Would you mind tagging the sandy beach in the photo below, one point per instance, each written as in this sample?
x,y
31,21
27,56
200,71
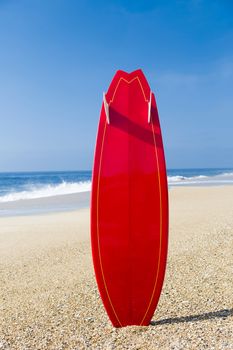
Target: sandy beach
x,y
49,298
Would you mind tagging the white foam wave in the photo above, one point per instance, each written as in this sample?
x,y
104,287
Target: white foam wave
x,y
63,188
225,178
226,175
176,178
48,191
179,178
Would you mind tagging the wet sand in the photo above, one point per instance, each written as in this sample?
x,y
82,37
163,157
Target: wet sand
x,y
62,203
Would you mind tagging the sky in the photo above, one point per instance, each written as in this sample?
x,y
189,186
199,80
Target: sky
x,y
58,56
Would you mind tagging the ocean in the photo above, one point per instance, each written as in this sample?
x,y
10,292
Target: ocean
x,y
18,186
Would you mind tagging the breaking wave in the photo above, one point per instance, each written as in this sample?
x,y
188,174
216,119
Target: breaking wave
x,y
178,180
14,192
33,192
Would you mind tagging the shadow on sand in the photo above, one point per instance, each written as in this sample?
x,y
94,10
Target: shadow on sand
x,y
195,318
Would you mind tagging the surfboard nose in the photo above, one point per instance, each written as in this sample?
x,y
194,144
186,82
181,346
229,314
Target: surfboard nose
x,y
128,79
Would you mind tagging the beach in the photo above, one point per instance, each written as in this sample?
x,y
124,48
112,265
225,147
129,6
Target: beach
x,y
49,298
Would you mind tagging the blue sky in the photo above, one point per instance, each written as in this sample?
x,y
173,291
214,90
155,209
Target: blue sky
x,y
58,56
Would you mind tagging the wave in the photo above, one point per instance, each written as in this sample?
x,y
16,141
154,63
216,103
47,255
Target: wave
x,y
226,174
47,191
224,178
179,178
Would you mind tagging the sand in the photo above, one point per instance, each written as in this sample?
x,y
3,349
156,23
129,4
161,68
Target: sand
x,y
49,298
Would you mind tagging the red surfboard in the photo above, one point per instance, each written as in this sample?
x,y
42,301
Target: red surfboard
x,y
129,202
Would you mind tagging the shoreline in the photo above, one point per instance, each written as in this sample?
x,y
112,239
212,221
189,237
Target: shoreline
x,y
52,204
68,202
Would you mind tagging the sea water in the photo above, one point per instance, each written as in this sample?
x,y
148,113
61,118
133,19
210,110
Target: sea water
x,y
18,186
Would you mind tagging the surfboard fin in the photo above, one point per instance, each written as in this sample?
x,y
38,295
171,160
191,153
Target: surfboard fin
x,y
106,108
149,108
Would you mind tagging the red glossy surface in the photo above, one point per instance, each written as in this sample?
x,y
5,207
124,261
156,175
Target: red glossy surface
x,y
129,204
